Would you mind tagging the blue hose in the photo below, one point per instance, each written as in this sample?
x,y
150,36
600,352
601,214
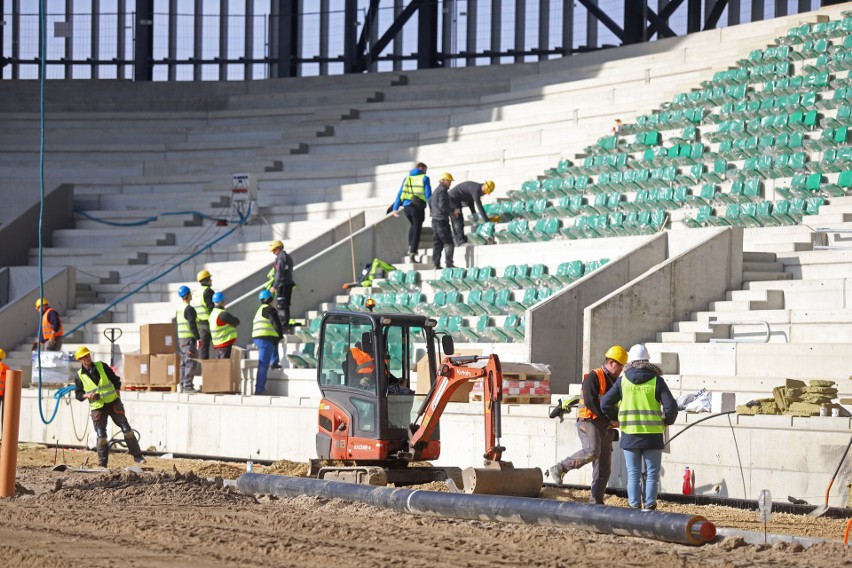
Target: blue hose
x,y
144,221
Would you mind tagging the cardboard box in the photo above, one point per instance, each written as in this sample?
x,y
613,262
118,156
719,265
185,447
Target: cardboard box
x,y
165,369
156,338
222,375
137,369
423,380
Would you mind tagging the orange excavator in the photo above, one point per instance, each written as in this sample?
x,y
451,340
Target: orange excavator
x,y
371,421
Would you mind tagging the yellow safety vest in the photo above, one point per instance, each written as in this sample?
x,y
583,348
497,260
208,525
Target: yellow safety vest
x,y
183,329
104,387
413,186
639,411
221,334
201,311
262,327
270,276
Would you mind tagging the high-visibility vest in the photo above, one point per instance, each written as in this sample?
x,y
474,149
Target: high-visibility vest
x,y
270,278
412,187
364,364
639,411
582,410
47,332
183,329
221,334
3,369
104,387
262,326
201,311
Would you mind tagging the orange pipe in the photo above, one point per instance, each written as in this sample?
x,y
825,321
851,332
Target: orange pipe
x,y
11,421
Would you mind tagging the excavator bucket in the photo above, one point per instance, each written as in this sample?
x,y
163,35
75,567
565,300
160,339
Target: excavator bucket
x,y
502,478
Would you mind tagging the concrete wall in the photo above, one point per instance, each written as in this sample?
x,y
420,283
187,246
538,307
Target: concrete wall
x,y
19,228
740,455
554,327
667,293
320,277
19,321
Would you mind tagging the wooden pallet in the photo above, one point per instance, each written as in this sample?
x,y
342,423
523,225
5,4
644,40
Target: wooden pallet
x,y
150,388
517,398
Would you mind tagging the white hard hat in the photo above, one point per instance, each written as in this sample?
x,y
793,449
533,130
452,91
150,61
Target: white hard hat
x,y
638,353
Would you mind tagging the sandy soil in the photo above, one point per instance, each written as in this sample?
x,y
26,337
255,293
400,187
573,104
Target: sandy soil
x,y
173,514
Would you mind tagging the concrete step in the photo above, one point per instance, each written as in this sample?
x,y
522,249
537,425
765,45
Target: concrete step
x,y
750,256
752,275
763,266
684,336
745,301
781,247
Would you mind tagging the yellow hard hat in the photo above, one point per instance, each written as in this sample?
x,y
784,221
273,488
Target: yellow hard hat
x,y
202,275
2,354
82,352
617,353
275,244
489,186
42,301
447,176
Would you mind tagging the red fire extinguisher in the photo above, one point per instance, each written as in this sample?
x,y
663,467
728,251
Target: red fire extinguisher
x,y
687,482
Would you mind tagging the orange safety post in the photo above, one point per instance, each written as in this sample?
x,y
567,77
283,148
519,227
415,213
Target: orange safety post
x,y
11,421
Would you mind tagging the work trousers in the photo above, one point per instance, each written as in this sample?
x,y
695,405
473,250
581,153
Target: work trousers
x,y
597,450
634,460
265,349
206,338
285,294
114,410
458,229
188,364
52,344
415,211
442,241
224,352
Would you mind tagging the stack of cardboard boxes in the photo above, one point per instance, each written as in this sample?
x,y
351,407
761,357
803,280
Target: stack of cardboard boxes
x,y
156,364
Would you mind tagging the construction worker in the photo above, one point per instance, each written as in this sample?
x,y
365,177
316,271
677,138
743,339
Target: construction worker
x,y
3,369
51,332
442,236
203,303
223,327
361,366
414,194
266,332
370,272
594,428
469,194
98,384
188,339
644,406
282,283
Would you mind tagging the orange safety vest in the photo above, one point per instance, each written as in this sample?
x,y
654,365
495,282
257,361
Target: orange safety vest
x,y
3,369
364,363
47,332
582,411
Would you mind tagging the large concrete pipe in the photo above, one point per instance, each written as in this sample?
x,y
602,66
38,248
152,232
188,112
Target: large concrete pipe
x,y
667,527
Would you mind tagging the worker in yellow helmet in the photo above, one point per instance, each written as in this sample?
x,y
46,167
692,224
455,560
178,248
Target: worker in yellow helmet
x,y
98,384
51,332
282,287
468,194
202,301
594,428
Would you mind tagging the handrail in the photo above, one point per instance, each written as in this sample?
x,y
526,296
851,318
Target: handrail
x,y
765,323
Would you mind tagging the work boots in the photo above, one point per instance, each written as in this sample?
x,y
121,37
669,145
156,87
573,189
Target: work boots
x,y
556,473
133,447
103,452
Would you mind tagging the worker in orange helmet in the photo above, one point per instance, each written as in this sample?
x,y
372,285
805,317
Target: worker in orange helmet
x,y
51,332
594,428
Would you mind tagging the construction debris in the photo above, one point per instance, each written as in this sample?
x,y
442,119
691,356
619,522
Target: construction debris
x,y
796,399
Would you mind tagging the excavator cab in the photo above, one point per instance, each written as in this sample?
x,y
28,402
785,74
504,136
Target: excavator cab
x,y
365,366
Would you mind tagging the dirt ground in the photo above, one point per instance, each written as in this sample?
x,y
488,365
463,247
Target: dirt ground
x,y
174,513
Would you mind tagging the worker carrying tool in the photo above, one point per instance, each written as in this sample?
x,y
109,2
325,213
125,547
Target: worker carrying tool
x,y
51,332
98,384
595,430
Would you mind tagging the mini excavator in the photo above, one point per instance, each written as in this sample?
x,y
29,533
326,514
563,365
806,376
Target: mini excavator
x,y
370,420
